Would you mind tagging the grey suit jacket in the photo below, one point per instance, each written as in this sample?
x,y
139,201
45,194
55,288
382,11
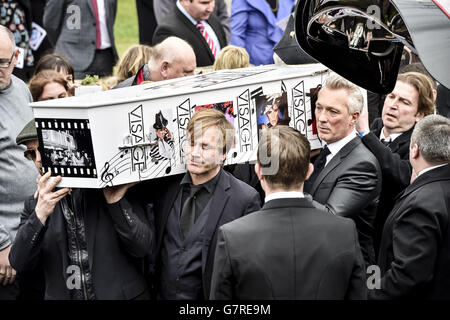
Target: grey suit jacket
x,y
70,25
349,186
288,250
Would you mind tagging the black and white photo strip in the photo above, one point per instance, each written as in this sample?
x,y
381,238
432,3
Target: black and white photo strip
x,y
66,147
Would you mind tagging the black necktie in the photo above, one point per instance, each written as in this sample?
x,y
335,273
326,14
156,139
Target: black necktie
x,y
386,142
187,218
319,164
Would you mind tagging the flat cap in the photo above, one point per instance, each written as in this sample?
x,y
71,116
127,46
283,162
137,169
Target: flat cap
x,y
28,133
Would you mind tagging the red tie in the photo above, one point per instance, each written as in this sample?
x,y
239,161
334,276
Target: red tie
x,y
98,40
208,39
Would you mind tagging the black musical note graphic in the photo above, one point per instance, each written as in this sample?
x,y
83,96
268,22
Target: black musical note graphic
x,y
106,176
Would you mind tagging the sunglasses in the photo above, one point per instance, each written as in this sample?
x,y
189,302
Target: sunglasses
x,y
30,154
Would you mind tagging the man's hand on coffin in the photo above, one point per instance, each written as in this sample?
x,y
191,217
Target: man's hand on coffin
x,y
47,197
116,193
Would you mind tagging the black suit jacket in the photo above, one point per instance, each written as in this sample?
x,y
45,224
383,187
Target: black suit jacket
x,y
288,250
118,237
395,168
415,249
176,24
349,186
232,199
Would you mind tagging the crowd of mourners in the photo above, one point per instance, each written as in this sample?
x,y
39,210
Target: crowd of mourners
x,y
364,217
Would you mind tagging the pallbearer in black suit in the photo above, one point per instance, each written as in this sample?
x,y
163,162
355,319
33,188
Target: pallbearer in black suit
x,y
388,139
189,208
292,248
347,178
414,256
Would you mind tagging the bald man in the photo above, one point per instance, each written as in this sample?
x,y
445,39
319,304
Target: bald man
x,y
172,58
17,175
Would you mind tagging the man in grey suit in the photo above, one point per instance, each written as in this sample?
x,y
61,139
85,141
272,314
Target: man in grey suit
x,y
83,31
347,177
290,249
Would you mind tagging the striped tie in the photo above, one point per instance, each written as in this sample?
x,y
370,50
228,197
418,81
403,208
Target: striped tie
x,y
208,39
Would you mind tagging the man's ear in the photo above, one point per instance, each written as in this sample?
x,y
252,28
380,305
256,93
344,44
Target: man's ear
x,y
164,69
310,171
414,151
419,116
258,171
355,117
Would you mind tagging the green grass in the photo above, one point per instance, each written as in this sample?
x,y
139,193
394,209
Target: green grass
x,y
126,29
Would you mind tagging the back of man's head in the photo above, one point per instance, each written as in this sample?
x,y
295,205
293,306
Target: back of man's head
x,y
432,137
283,155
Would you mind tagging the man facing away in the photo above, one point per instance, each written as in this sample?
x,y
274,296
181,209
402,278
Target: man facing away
x,y
291,248
414,257
347,176
189,208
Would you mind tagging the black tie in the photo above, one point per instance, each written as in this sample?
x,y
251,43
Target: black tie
x,y
386,142
187,218
319,164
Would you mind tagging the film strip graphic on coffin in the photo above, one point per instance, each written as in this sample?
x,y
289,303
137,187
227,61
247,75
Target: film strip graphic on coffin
x,y
66,147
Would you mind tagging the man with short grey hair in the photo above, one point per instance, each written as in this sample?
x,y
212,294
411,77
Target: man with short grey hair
x,y
415,245
17,175
172,58
347,177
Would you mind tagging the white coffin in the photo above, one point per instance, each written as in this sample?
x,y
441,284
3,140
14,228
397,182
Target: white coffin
x,y
113,131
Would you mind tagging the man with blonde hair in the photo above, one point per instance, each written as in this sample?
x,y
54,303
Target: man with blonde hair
x,y
289,256
347,176
189,208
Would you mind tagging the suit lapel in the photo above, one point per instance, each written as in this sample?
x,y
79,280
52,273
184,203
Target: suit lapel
x,y
216,208
401,140
335,161
173,190
195,31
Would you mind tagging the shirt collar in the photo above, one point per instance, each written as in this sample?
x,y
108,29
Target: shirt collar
x,y
284,195
336,146
210,185
391,137
431,168
183,10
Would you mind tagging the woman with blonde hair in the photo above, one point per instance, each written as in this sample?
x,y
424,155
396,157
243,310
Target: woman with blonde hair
x,y
132,60
232,57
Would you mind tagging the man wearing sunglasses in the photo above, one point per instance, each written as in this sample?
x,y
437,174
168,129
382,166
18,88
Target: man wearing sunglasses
x,y
17,175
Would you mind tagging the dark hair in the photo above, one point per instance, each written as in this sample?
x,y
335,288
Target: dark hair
x,y
54,62
283,154
40,80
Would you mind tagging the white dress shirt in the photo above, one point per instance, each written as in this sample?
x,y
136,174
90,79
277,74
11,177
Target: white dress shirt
x,y
391,137
284,195
431,168
335,147
106,41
